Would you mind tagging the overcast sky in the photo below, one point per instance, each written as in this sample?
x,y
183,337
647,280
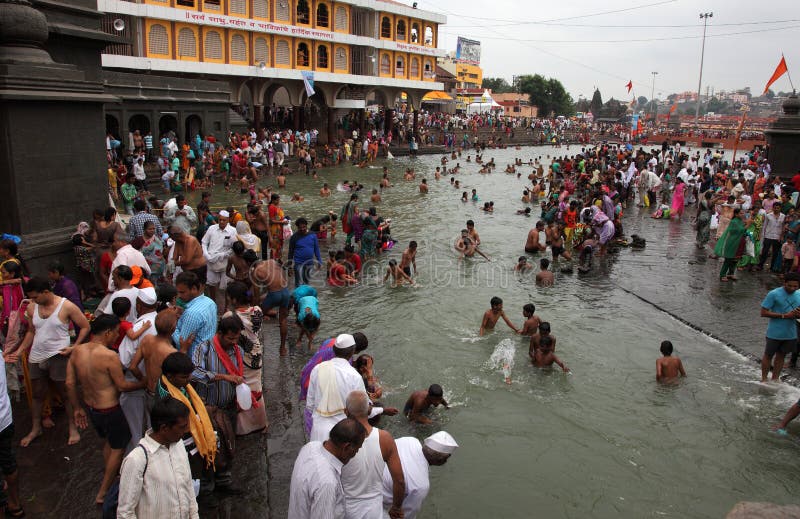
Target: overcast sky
x,y
576,51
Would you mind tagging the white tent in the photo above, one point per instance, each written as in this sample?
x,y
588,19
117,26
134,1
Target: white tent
x,y
485,104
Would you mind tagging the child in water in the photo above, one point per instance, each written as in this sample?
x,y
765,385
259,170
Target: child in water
x,y
544,357
398,276
668,368
491,316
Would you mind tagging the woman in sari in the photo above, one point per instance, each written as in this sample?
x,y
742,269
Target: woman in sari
x,y
753,237
153,251
246,236
704,209
730,246
276,223
678,199
85,260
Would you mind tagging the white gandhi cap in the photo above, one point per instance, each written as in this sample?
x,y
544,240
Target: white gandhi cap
x,y
344,341
224,213
147,296
441,442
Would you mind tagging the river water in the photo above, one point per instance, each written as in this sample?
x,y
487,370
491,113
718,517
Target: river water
x,y
602,441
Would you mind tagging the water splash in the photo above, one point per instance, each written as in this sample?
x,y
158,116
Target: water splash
x,y
502,358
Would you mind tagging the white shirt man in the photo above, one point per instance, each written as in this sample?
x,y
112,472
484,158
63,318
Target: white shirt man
x,y
127,255
773,226
178,212
416,460
329,384
217,246
138,170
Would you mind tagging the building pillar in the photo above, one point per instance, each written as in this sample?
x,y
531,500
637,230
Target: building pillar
x,y
389,121
361,113
296,116
331,126
783,137
414,131
257,111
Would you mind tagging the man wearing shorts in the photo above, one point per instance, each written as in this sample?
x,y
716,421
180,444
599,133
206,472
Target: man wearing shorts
x,y
98,370
49,343
270,274
782,307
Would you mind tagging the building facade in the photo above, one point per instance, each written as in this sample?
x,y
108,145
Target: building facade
x,y
516,105
210,55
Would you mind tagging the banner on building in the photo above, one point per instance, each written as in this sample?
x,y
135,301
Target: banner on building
x,y
308,81
468,51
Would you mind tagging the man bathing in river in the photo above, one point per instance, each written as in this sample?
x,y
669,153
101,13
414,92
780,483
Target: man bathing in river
x,y
491,316
467,247
668,368
422,400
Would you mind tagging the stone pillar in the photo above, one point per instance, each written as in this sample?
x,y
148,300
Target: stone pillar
x,y
47,192
331,126
361,123
416,122
783,138
389,121
296,117
258,110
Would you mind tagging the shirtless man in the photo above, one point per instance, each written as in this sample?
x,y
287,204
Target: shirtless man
x,y
409,259
98,370
438,174
533,243
259,224
270,274
544,277
473,233
325,192
466,247
375,198
555,237
154,349
491,316
385,181
668,368
398,276
48,340
522,265
544,357
297,198
422,400
532,322
536,338
423,187
281,179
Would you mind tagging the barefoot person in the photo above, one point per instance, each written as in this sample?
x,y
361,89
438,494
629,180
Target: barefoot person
x,y
270,274
491,316
668,368
48,339
98,370
421,401
782,307
153,350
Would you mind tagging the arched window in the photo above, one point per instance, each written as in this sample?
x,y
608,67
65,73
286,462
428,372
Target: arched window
x,y
157,40
414,33
238,7
428,70
303,12
340,60
323,16
341,19
400,66
238,48
428,35
322,56
282,54
386,65
261,8
261,51
386,27
400,33
282,11
187,44
302,55
213,45
414,68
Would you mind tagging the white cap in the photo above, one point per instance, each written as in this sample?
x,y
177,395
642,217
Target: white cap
x,y
344,341
148,296
224,214
441,442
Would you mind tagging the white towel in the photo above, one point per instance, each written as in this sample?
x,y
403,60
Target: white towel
x,y
331,402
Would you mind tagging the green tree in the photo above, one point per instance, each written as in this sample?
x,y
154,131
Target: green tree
x,y
597,102
641,102
549,95
497,85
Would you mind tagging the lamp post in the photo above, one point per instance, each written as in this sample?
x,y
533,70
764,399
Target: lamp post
x,y
704,17
653,100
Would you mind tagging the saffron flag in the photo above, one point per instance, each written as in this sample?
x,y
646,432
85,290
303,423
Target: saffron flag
x,y
308,81
673,107
779,71
629,86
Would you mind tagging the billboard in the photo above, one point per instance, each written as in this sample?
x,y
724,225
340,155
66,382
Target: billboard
x,y
468,51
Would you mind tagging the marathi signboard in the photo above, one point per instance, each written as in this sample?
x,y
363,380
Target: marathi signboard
x,y
468,51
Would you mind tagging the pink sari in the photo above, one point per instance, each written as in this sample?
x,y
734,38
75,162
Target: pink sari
x,y
678,200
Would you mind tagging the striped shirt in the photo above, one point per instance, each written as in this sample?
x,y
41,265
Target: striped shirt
x,y
207,364
136,224
199,317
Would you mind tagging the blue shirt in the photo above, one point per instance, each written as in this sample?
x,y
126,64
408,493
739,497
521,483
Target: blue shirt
x,y
304,249
200,318
780,301
304,291
305,305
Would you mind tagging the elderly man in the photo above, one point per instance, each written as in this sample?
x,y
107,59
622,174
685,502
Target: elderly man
x,y
199,318
133,402
186,254
181,214
415,459
217,246
316,488
329,384
125,254
362,478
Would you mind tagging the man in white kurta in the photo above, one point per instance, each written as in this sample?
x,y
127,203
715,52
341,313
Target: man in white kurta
x,y
316,488
329,384
416,459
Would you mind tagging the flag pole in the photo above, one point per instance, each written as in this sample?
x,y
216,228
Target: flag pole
x,y
789,75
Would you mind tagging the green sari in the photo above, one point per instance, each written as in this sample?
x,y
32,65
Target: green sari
x,y
728,244
753,233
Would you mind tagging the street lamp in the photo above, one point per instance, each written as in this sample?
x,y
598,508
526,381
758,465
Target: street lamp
x,y
653,100
704,17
